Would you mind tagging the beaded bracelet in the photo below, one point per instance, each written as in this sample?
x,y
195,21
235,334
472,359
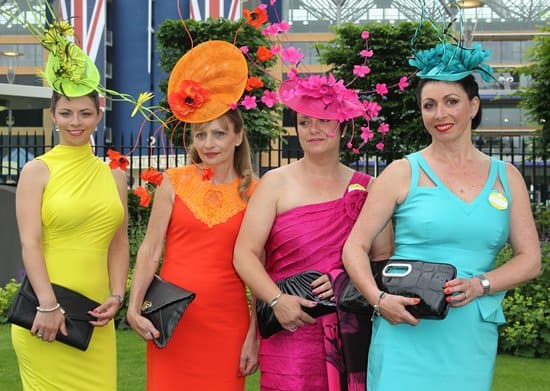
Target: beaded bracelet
x,y
54,308
376,307
275,300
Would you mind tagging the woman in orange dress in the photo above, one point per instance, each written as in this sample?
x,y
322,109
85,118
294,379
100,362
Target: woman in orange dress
x,y
195,219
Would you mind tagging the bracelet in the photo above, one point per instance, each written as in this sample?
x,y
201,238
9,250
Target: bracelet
x,y
54,308
376,307
275,300
120,298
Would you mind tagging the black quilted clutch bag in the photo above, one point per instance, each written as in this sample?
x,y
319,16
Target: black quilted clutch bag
x,y
412,278
297,285
164,305
75,305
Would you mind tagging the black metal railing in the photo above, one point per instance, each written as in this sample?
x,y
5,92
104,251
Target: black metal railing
x,y
16,150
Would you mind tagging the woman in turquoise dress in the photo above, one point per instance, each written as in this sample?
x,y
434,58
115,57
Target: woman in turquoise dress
x,y
450,203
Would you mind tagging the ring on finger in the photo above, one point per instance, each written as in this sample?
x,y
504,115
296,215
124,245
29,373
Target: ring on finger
x,y
466,295
292,328
39,335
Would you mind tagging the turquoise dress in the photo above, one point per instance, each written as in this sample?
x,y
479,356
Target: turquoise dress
x,y
433,224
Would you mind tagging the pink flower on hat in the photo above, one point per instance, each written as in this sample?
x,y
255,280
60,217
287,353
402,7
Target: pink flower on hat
x,y
366,133
384,128
372,109
361,70
403,83
249,102
269,98
381,89
292,55
366,53
365,35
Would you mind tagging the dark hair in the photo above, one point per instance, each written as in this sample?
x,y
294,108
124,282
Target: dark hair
x,y
242,161
468,84
94,96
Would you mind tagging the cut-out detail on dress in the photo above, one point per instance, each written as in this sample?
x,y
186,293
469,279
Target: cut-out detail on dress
x,y
210,203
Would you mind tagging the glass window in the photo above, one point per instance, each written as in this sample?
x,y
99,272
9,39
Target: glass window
x,y
33,54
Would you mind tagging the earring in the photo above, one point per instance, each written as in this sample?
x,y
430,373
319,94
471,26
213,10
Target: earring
x,y
236,145
56,129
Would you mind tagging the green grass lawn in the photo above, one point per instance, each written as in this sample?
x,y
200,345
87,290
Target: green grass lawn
x,y
511,374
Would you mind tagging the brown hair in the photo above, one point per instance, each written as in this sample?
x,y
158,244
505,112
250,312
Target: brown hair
x,y
242,161
94,96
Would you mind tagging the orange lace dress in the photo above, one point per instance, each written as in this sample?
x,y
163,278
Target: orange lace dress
x,y
204,351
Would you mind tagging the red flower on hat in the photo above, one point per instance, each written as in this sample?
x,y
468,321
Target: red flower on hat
x,y
152,176
264,54
117,160
188,98
144,196
253,82
256,17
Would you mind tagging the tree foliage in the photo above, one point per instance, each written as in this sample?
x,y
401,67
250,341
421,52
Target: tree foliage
x,y
535,97
391,46
262,124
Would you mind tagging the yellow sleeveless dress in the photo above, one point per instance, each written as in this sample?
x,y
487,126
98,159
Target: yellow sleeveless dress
x,y
81,210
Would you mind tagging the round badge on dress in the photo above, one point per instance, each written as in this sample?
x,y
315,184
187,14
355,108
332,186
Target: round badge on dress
x,y
498,200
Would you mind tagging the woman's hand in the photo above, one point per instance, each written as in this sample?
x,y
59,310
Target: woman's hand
x,y
289,313
462,291
47,324
392,308
249,354
105,312
322,288
142,326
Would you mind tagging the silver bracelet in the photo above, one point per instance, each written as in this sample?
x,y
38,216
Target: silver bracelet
x,y
275,300
54,308
376,307
120,299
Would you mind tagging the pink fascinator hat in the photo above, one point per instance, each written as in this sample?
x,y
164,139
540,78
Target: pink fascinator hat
x,y
322,97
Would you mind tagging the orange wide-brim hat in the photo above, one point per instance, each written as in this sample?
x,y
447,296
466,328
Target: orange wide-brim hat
x,y
207,81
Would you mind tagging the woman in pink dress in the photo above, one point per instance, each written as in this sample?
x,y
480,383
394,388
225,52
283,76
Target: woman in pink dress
x,y
298,219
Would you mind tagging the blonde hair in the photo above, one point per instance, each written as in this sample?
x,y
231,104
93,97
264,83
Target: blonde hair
x,y
242,161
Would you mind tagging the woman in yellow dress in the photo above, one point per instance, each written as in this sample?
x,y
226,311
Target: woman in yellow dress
x,y
72,219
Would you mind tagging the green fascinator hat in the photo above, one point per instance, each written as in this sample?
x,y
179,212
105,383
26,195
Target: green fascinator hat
x,y
69,71
452,62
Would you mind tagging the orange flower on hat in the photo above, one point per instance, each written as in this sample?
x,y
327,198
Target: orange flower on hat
x,y
152,176
264,54
188,98
256,17
117,160
144,196
253,82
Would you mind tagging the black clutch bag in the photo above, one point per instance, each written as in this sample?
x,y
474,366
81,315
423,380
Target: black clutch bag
x,y
351,300
412,278
76,306
297,285
164,305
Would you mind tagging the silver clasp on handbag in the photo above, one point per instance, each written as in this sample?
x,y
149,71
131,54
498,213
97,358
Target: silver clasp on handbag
x,y
397,270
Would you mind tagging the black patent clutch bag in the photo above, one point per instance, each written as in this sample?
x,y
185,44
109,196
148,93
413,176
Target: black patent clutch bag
x,y
297,285
164,304
76,306
351,300
412,278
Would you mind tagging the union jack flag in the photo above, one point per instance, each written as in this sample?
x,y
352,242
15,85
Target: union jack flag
x,y
88,19
203,9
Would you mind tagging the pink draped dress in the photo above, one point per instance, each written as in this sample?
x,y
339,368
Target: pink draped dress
x,y
311,237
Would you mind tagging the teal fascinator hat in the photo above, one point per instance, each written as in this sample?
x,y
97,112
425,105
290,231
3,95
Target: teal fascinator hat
x,y
452,62
449,61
